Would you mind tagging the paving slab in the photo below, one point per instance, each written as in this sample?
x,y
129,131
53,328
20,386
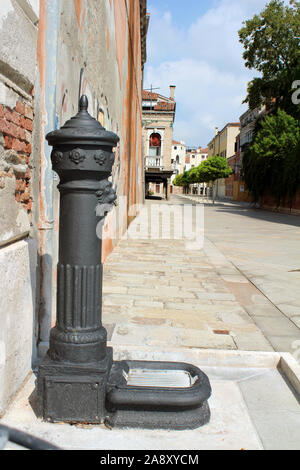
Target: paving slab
x,y
277,326
275,413
253,247
188,291
296,320
253,342
286,343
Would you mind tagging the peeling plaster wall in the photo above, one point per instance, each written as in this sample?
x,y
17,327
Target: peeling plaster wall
x,y
99,54
19,174
96,51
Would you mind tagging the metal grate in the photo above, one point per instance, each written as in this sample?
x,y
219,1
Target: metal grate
x,y
159,378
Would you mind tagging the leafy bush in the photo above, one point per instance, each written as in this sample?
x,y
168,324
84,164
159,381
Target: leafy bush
x,y
273,158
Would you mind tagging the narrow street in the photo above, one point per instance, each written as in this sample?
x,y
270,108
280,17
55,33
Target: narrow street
x,y
232,294
263,246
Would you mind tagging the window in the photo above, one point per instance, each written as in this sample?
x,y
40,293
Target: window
x,y
149,105
155,145
249,136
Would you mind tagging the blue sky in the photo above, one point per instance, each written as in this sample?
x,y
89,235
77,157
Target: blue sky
x,y
183,12
194,45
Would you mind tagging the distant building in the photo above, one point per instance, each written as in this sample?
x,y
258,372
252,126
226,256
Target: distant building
x,y
158,120
190,159
236,187
223,144
248,121
178,156
177,163
194,157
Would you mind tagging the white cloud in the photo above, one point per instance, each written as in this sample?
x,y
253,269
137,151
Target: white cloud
x,y
206,65
205,97
162,37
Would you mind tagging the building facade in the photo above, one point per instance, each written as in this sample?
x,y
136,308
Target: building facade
x,y
158,120
248,121
194,157
235,186
178,162
178,155
51,52
223,145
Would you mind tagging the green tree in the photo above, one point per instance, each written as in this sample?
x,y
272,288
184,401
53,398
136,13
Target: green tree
x,y
273,158
182,179
271,46
209,170
193,175
212,169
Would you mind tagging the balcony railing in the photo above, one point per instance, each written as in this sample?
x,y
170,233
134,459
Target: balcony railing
x,y
154,162
175,166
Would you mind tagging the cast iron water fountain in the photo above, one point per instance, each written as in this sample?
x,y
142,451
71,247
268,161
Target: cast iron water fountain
x,y
78,381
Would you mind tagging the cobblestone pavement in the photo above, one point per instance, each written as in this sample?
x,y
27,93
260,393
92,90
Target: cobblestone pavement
x,y
160,292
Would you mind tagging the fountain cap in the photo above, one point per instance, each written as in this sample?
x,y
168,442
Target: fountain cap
x,y
82,129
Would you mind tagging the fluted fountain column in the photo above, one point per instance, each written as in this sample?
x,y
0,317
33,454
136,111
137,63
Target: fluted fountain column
x,y
72,377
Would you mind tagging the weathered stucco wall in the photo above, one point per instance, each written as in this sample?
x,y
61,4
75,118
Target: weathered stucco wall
x,y
51,51
97,51
19,170
99,54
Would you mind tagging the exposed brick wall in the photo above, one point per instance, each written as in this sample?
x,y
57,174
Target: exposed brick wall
x,y
16,126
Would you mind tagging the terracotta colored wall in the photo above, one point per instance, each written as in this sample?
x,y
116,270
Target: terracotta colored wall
x,y
98,53
229,186
269,202
101,41
238,195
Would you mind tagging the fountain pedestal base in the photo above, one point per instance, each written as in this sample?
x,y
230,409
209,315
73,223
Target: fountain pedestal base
x,y
73,393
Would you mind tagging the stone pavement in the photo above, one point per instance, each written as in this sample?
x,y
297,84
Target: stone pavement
x,y
264,247
161,292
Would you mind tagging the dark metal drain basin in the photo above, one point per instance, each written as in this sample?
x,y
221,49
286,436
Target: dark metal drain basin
x,y
166,395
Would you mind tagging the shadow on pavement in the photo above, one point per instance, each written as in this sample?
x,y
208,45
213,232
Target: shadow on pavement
x,y
257,213
248,209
